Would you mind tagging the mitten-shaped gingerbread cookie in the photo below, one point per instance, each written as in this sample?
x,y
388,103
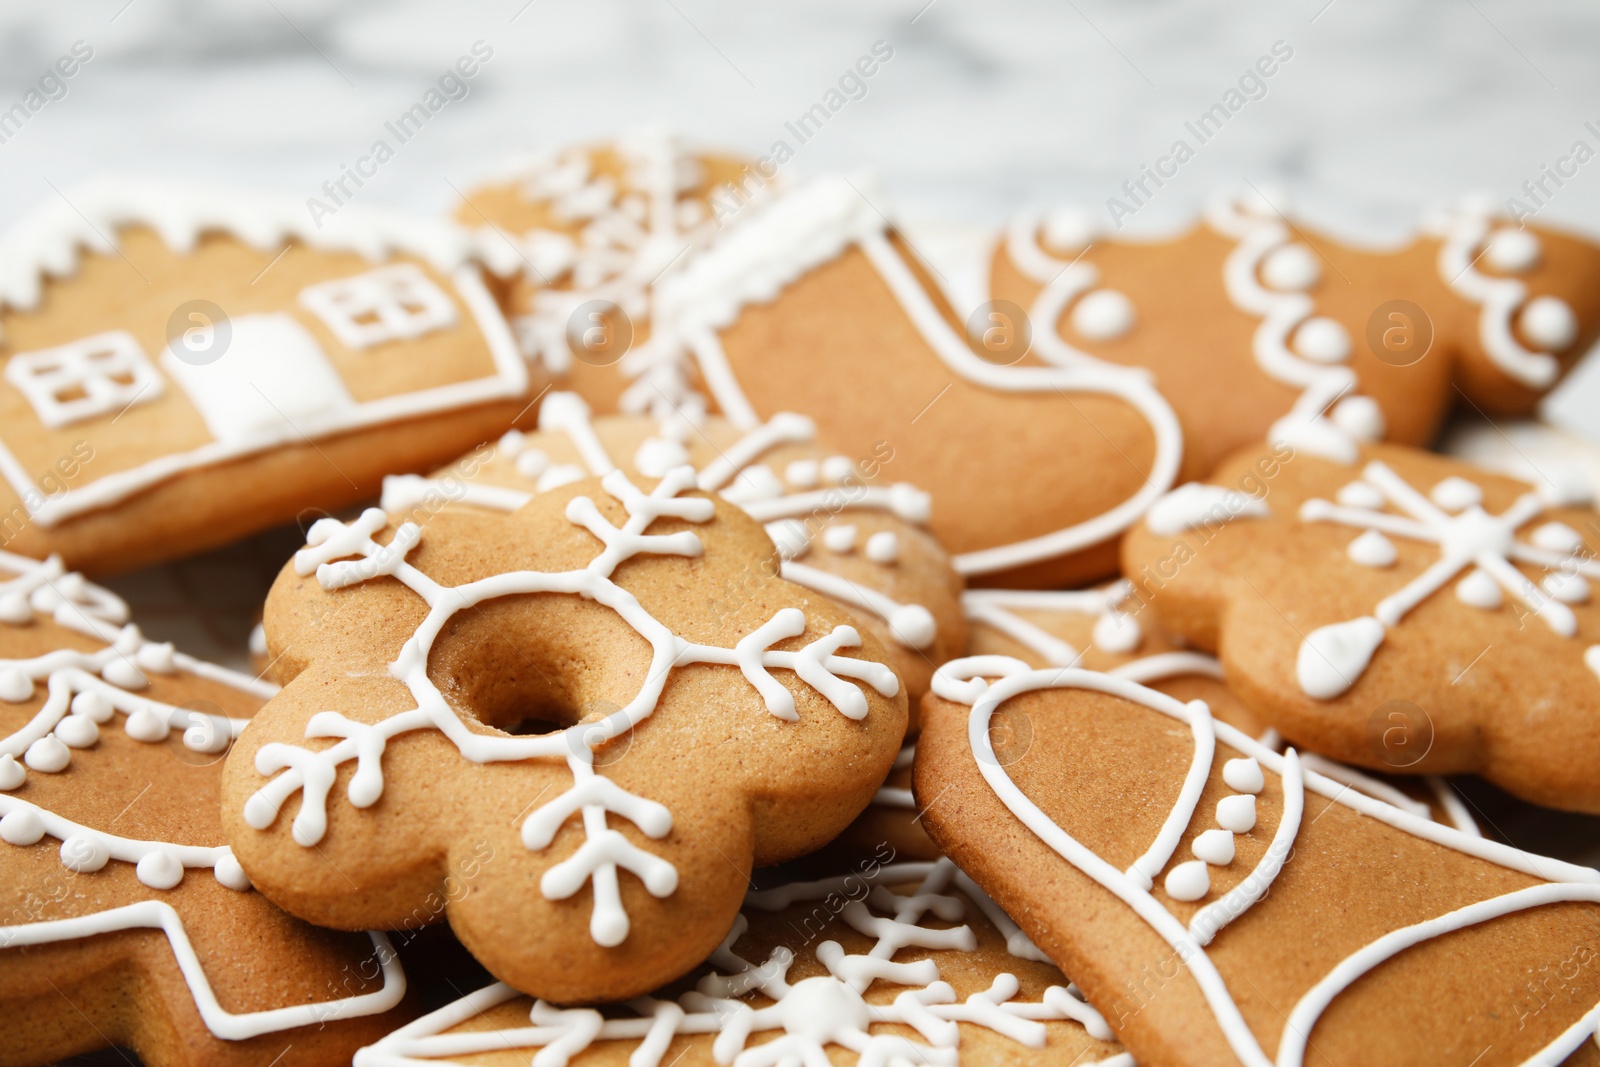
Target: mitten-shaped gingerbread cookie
x,y
1222,904
842,528
1405,612
124,919
1257,326
590,690
181,366
597,227
890,963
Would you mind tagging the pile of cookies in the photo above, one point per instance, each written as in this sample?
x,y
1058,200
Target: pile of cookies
x,y
749,658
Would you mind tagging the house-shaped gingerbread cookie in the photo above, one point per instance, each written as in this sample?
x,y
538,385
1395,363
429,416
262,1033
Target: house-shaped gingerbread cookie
x,y
182,366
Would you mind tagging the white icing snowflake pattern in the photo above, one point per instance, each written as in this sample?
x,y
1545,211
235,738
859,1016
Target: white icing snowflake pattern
x,y
1470,540
593,797
806,1017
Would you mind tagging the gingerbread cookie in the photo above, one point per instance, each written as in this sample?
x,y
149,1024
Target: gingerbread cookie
x,y
842,529
124,919
894,963
597,227
1246,910
1406,612
1259,327
575,685
183,366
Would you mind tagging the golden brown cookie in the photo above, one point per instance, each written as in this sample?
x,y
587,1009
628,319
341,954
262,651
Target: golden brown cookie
x,y
1409,612
891,963
573,686
182,366
842,527
124,919
597,227
1257,326
1222,904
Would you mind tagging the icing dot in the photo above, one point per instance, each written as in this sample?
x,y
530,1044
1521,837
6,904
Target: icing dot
x,y
1291,266
48,754
123,672
1456,494
84,854
159,870
14,609
15,687
791,537
1214,846
1565,486
1244,775
754,483
1189,880
1567,587
1323,340
157,659
258,640
92,705
21,827
1512,251
802,473
1069,229
532,463
913,624
1549,323
78,731
656,457
1117,633
1361,495
837,468
1333,656
1372,549
840,538
1557,537
145,725
46,599
1237,813
1480,590
1360,417
1591,659
883,547
230,874
11,773
910,503
1103,315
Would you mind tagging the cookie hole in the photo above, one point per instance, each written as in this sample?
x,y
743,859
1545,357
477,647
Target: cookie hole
x,y
534,725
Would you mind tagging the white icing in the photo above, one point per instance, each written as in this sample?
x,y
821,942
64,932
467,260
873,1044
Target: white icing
x,y
911,624
1566,587
1359,494
1557,537
840,538
311,772
1322,340
818,222
1103,315
1215,847
963,680
1470,540
803,1020
1113,631
1197,504
1190,880
394,303
1117,633
1244,775
1480,590
1464,230
1591,659
1237,813
1372,549
158,915
802,473
1512,251
883,547
84,379
1291,266
1550,323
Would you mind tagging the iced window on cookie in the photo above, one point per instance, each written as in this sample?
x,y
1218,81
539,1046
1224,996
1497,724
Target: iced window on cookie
x,y
389,304
84,379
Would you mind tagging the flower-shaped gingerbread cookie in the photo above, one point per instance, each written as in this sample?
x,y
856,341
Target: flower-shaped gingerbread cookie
x,y
894,963
1223,904
843,530
1405,612
124,919
1259,327
574,685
